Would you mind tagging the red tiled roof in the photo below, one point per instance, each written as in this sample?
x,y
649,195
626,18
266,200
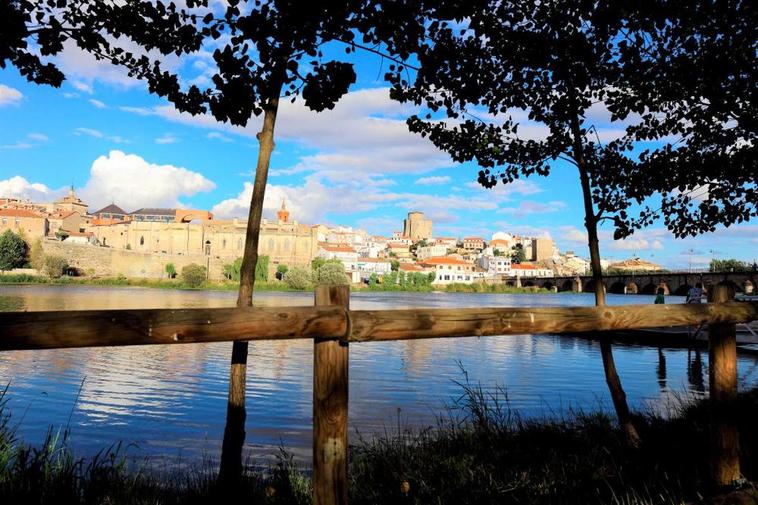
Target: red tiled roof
x,y
444,260
410,267
336,248
19,213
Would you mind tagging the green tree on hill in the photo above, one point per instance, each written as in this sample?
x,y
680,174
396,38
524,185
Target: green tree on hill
x,y
12,251
728,265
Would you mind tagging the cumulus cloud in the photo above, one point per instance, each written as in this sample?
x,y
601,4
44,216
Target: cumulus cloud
x,y
365,132
433,180
9,96
19,187
133,182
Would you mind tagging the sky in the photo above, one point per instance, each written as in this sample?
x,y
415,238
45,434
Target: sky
x,y
357,165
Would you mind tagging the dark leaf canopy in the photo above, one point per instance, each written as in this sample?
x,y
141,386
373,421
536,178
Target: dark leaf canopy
x,y
681,73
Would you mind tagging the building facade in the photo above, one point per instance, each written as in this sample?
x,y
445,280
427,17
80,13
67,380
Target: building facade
x,y
417,227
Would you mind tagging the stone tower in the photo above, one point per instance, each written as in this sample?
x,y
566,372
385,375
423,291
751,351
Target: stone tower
x,y
283,215
417,227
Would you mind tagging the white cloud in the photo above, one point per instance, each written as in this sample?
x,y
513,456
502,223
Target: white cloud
x,y
167,138
433,180
9,96
89,131
19,187
526,207
133,182
219,136
365,132
97,103
39,137
17,145
141,111
82,86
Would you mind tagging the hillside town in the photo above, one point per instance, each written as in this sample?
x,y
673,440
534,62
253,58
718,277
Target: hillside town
x,y
112,241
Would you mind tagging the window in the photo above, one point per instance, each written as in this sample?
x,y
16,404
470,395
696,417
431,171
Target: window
x,y
207,247
18,221
142,241
223,244
5,220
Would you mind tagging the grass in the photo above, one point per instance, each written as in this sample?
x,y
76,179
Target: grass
x,y
479,452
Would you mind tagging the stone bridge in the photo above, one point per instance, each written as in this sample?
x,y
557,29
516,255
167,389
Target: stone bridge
x,y
674,283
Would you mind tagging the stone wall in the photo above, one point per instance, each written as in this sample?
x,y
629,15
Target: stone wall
x,y
107,262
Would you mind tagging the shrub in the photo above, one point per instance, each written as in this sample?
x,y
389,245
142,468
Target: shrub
x,y
54,266
232,270
170,270
193,275
331,273
37,255
298,278
280,271
12,251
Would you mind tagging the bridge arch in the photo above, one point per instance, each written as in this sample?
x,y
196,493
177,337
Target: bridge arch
x,y
617,288
632,288
548,285
682,290
649,289
567,285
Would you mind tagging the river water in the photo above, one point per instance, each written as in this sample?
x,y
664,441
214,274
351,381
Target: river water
x,y
169,402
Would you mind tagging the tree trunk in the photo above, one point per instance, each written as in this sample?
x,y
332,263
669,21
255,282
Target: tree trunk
x,y
234,431
606,351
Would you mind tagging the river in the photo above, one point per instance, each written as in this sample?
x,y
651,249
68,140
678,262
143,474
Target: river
x,y
168,402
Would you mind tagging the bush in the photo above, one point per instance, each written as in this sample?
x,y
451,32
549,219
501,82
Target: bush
x,y
232,270
298,278
280,271
170,270
37,256
193,275
331,273
54,266
12,251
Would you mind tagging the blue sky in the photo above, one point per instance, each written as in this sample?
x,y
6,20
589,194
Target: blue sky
x,y
356,165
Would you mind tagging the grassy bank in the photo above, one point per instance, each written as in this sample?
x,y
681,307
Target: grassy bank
x,y
479,453
259,285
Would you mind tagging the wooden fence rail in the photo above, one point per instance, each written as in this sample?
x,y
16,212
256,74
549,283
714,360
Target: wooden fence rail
x,y
332,326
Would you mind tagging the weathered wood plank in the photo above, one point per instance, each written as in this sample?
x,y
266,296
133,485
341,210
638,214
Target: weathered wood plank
x,y
722,381
53,330
330,396
377,325
87,328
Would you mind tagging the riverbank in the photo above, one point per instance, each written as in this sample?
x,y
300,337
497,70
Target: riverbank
x,y
22,279
479,452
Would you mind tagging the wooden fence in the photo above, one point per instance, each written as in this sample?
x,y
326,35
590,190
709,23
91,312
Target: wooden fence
x,y
333,326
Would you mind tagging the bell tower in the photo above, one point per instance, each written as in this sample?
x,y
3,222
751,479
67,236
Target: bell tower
x,y
283,215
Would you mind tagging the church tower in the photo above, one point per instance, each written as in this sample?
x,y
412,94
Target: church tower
x,y
283,215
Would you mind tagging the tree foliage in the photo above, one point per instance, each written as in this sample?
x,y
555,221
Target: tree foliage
x,y
730,265
193,275
299,278
12,251
331,273
54,266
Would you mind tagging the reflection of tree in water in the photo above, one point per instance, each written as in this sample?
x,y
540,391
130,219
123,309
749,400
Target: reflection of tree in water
x,y
661,370
695,370
11,303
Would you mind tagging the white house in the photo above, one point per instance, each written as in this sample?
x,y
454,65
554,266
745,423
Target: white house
x,y
368,266
530,270
346,254
449,269
496,265
430,251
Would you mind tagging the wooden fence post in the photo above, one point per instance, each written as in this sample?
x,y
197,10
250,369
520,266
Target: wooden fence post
x,y
330,390
722,378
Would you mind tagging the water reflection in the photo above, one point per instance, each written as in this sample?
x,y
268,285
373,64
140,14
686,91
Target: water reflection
x,y
171,400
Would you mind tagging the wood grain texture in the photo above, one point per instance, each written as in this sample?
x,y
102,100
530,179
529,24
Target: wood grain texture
x,y
330,397
62,329
722,380
376,325
56,330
